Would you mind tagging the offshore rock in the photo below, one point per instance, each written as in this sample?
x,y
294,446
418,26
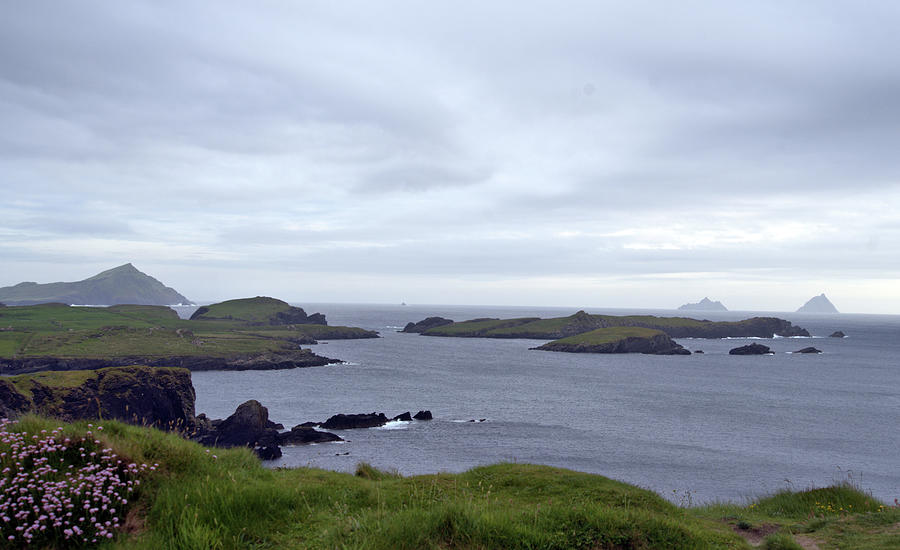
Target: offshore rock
x,y
304,435
751,349
248,427
808,350
837,334
423,415
352,421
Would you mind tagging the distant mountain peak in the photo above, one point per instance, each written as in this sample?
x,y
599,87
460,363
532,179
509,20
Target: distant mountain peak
x,y
124,284
818,304
704,305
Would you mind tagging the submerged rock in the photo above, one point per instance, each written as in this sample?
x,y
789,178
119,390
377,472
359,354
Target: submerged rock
x,y
304,435
808,350
751,349
837,334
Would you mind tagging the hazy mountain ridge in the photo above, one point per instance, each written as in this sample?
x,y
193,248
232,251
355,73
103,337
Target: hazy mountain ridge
x,y
704,305
121,285
818,304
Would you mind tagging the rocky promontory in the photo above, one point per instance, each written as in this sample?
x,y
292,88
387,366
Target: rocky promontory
x,y
426,324
160,397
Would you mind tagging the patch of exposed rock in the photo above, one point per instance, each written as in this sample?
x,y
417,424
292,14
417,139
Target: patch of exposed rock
x,y
425,324
751,349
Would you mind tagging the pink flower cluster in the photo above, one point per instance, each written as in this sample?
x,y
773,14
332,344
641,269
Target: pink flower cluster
x,y
55,489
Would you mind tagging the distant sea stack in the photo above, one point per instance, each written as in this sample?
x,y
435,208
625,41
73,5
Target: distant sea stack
x,y
818,304
120,285
704,305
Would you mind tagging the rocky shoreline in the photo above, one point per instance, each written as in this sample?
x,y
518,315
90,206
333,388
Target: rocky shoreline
x,y
264,361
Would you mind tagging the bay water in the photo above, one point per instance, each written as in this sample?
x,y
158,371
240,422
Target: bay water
x,y
695,429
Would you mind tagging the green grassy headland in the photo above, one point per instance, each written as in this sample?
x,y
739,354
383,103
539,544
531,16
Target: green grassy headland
x,y
195,501
58,330
608,335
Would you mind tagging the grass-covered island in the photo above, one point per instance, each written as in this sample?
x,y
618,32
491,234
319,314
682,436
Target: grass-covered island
x,y
151,489
251,333
589,333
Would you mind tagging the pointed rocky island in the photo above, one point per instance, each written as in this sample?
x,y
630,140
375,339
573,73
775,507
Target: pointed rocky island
x,y
704,305
818,304
120,285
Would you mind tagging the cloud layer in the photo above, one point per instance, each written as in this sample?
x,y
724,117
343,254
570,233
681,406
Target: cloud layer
x,y
597,154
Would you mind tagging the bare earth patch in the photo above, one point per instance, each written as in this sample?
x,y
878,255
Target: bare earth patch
x,y
756,534
806,542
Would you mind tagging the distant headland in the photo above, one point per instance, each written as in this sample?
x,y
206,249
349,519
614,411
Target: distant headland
x,y
119,285
704,305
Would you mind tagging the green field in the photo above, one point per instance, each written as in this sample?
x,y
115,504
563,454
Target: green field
x,y
58,330
195,501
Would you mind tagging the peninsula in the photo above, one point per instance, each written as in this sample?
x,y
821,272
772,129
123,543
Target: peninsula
x,y
120,285
249,334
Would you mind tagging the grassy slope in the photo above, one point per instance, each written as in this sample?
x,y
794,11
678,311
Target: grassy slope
x,y
196,501
608,335
152,331
253,310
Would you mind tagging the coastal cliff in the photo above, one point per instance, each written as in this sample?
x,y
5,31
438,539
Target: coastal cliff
x,y
147,396
618,340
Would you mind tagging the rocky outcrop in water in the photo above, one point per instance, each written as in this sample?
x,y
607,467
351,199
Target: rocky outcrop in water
x,y
808,350
751,349
425,324
837,334
423,415
658,344
351,421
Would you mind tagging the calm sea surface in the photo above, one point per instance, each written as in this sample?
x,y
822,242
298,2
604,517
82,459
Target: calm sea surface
x,y
711,426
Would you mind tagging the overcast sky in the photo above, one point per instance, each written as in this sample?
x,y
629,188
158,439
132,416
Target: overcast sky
x,y
620,154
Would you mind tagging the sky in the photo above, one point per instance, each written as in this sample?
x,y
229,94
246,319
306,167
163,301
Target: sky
x,y
605,154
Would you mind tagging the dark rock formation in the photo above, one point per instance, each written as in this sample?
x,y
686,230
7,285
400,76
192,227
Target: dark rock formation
x,y
406,417
247,427
288,359
425,324
304,435
818,304
423,415
837,334
751,349
159,397
808,350
351,421
698,351
704,305
12,403
658,344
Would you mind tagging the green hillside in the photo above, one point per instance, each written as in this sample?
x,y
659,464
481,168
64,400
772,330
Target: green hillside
x,y
195,498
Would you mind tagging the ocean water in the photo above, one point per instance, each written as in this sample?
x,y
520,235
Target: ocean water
x,y
693,428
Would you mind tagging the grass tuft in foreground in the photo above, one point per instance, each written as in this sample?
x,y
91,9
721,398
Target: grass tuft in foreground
x,y
224,499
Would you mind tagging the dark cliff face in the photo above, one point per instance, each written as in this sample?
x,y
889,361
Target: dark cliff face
x,y
659,344
159,397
